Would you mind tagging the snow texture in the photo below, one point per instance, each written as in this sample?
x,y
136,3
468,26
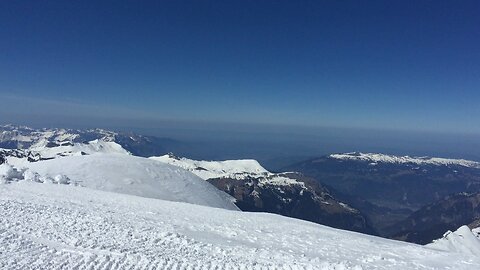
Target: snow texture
x,y
46,226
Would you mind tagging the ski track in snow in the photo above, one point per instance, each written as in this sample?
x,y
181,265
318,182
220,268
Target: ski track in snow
x,y
47,226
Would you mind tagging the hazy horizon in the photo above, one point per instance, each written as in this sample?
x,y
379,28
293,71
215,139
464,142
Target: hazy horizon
x,y
286,77
278,145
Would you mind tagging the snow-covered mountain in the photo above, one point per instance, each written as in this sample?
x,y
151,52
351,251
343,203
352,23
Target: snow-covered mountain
x,y
22,137
374,158
91,204
289,194
238,169
58,141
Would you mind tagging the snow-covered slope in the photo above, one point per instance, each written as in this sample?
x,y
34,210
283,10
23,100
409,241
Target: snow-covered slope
x,y
241,169
462,240
216,169
382,158
46,226
136,176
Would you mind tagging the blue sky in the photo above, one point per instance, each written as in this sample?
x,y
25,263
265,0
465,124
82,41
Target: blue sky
x,y
408,65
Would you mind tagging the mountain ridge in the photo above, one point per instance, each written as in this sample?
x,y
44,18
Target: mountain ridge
x,y
290,194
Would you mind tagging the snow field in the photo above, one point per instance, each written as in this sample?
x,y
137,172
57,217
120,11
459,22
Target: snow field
x,y
47,226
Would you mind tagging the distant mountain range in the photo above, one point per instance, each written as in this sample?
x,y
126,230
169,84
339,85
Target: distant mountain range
x,y
63,140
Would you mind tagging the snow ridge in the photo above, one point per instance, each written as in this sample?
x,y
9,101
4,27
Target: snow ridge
x,y
216,169
374,158
234,169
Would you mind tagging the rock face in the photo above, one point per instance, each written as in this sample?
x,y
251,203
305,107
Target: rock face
x,y
303,200
387,189
431,221
289,194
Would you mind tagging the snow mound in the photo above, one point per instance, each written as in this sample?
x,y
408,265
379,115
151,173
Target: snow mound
x,y
71,227
215,169
135,176
463,240
374,158
9,174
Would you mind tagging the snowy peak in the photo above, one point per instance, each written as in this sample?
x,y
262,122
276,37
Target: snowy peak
x,y
374,158
238,169
22,137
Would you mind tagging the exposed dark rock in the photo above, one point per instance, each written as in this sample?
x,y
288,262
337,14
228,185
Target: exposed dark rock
x,y
306,200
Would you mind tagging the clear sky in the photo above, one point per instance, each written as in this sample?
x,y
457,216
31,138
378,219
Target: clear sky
x,y
409,65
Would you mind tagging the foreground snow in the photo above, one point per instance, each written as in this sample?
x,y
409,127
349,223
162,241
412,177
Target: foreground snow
x,y
135,176
47,226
